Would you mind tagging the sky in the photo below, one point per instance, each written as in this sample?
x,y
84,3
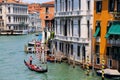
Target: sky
x,y
35,1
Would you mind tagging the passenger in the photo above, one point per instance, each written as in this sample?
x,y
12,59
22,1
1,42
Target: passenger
x,y
35,66
40,67
30,58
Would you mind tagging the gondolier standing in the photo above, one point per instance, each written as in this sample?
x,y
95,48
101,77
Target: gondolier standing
x,y
30,60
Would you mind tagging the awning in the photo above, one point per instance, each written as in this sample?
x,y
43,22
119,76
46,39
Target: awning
x,y
107,35
113,30
97,32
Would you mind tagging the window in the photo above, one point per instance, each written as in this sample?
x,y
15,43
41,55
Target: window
x,y
0,17
97,49
47,10
88,26
8,9
108,51
98,6
60,46
56,26
109,63
79,28
79,4
9,19
98,60
72,5
72,26
111,5
78,51
84,51
118,5
60,5
71,49
0,11
46,16
88,4
56,45
66,5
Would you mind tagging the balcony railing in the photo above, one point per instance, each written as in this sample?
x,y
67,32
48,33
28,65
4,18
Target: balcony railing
x,y
116,14
72,39
69,13
113,42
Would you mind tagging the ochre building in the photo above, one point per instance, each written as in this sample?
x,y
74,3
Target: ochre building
x,y
106,33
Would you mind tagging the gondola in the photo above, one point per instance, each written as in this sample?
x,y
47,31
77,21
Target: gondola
x,y
31,67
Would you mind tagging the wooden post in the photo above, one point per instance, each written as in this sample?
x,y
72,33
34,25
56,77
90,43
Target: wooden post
x,y
74,61
25,48
35,47
87,66
103,62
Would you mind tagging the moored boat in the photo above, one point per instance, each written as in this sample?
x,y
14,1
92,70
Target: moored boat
x,y
50,59
109,73
32,68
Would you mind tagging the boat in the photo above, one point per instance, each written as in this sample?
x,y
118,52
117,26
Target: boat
x,y
50,59
33,45
109,73
32,68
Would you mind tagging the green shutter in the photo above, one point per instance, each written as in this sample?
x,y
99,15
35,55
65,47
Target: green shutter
x,y
97,32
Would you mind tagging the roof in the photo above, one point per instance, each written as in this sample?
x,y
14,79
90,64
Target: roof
x,y
13,1
48,4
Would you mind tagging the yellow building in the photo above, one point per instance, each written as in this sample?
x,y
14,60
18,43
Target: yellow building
x,y
106,32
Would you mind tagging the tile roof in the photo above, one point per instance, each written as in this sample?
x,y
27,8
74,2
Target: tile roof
x,y
13,1
50,2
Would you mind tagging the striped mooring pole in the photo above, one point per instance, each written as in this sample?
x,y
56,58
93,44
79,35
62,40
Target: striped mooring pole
x,y
103,63
88,71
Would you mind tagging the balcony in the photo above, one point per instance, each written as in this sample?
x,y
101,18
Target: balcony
x,y
116,14
113,42
68,13
72,39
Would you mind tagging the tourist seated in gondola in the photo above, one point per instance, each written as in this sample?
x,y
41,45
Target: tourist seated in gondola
x,y
36,67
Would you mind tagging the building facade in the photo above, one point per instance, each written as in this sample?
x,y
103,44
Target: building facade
x,y
73,26
47,14
34,22
107,33
14,17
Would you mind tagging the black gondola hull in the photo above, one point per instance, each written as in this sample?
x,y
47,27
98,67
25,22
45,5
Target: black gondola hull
x,y
32,69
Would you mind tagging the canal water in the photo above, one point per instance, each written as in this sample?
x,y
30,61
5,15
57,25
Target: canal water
x,y
12,66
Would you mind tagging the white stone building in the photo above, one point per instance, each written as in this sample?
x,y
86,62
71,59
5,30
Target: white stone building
x,y
73,28
14,17
34,21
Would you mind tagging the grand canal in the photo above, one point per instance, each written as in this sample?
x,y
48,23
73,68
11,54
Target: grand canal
x,y
12,66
